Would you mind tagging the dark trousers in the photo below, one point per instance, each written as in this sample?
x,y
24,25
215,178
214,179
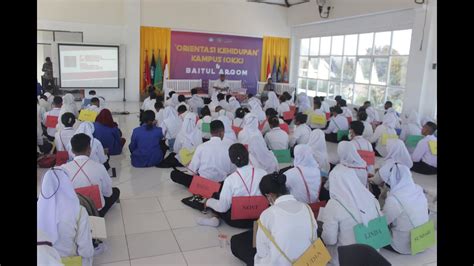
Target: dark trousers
x,y
106,164
226,216
241,247
331,137
109,201
376,152
424,168
122,141
163,146
181,178
170,162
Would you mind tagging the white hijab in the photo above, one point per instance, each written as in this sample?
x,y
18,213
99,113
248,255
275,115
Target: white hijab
x,y
251,124
303,102
272,101
68,105
389,121
229,133
57,202
174,100
262,155
86,128
348,190
172,120
398,153
348,155
304,156
189,134
256,109
317,142
233,104
414,118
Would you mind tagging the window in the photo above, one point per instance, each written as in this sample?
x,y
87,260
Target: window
x,y
359,67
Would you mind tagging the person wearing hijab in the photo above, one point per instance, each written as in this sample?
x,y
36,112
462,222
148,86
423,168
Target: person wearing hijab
x,y
170,125
108,133
304,179
195,102
387,127
173,101
368,129
349,158
69,106
45,253
412,126
229,135
256,109
205,118
406,206
239,118
250,129
425,162
62,219
64,135
350,204
145,141
272,101
302,130
260,156
318,146
189,136
283,107
97,150
336,123
233,104
303,103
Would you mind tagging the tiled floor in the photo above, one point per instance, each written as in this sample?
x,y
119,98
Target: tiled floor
x,y
150,226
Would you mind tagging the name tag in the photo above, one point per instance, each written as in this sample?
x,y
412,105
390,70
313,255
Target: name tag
x,y
422,237
248,207
386,137
283,156
203,186
87,115
236,129
51,121
376,234
317,119
341,134
206,127
433,147
288,115
412,140
367,156
72,261
186,155
316,255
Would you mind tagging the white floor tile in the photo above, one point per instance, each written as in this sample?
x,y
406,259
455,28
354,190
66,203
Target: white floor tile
x,y
116,250
173,202
183,218
145,222
211,256
120,263
169,259
114,222
140,205
229,230
151,244
198,237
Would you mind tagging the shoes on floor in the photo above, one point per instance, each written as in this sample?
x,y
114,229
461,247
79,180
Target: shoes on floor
x,y
195,202
214,221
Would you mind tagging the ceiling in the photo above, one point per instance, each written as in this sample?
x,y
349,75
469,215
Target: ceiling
x,y
285,3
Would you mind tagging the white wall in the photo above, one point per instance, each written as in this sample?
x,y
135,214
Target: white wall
x,y
219,16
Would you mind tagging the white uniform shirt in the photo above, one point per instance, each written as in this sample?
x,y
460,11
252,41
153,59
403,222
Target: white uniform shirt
x,y
238,122
96,173
368,130
145,103
46,255
54,112
301,135
97,151
195,102
211,160
290,222
337,123
224,104
377,137
39,129
346,111
325,107
221,84
296,186
63,137
277,139
233,187
159,116
266,125
283,107
422,152
45,104
149,105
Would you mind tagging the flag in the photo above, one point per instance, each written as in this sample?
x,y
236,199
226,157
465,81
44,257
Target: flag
x,y
274,71
152,67
269,71
285,72
165,62
278,75
146,73
158,75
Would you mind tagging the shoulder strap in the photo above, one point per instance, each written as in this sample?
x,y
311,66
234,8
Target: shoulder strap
x,y
305,184
334,120
403,208
347,211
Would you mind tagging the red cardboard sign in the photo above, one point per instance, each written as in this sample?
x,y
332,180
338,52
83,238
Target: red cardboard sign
x,y
288,115
367,156
236,129
93,193
203,186
285,128
248,207
51,121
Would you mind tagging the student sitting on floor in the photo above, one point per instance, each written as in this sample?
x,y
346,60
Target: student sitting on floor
x,y
304,178
222,102
289,98
290,223
94,105
85,172
387,127
182,102
250,129
108,133
170,125
57,103
356,130
205,118
412,126
229,134
345,110
145,142
172,99
424,161
195,103
239,118
272,101
159,112
149,103
317,111
266,125
372,114
317,142
368,129
350,204
256,109
62,219
87,99
243,182
406,206
389,111
69,106
45,253
97,153
233,104
303,103
336,123
302,130
260,156
43,102
349,158
182,112
63,136
276,138
210,160
283,107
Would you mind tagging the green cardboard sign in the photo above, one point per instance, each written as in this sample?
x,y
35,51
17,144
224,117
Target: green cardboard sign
x,y
422,237
283,156
412,140
206,127
341,134
376,234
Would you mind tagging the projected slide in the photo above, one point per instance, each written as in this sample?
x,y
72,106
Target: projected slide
x,y
88,66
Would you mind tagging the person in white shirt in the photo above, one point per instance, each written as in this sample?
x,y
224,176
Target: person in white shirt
x,y
170,125
406,206
356,129
46,255
276,138
304,179
324,105
159,110
256,109
68,106
317,143
288,221
83,172
94,105
87,99
350,204
210,160
222,102
412,126
233,104
43,102
150,90
368,129
221,85
389,111
239,118
51,130
39,130
424,161
62,218
303,103
260,156
250,129
205,118
182,102
182,112
283,107
149,103
63,136
289,98
229,134
243,182
195,102
387,127
219,111
172,99
265,125
336,122
345,110
97,150
351,159
272,101
302,130
318,110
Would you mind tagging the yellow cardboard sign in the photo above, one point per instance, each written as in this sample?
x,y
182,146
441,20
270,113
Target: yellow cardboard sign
x,y
186,155
316,255
87,115
318,119
72,261
386,136
433,147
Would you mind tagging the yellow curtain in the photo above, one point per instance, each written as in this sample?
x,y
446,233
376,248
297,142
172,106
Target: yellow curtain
x,y
153,40
274,47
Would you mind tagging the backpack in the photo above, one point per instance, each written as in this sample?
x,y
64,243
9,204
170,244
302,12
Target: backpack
x,y
87,203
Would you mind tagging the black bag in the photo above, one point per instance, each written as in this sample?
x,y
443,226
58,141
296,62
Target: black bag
x,y
87,203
